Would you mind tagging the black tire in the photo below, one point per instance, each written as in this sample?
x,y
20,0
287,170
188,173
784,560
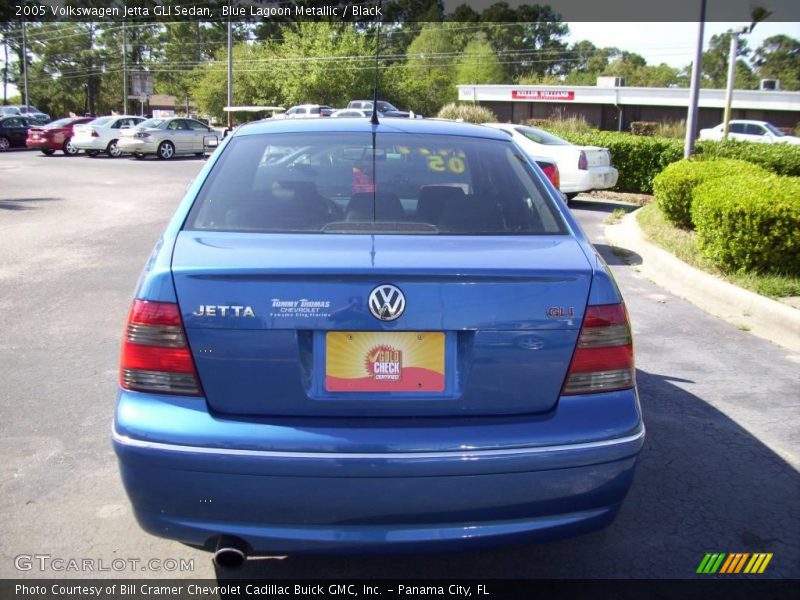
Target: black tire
x,y
113,150
166,150
92,153
200,154
138,156
68,149
48,151
571,196
5,144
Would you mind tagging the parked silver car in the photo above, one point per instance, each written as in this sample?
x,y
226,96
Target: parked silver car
x,y
168,137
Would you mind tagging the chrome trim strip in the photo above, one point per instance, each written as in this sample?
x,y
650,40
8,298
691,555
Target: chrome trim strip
x,y
463,454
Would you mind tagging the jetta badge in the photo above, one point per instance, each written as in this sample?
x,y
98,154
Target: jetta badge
x,y
386,302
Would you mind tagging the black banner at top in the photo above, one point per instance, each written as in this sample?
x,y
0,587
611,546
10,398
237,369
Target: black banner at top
x,y
391,10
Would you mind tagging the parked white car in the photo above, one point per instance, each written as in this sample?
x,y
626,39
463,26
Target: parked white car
x,y
167,138
304,111
351,112
750,131
582,168
102,134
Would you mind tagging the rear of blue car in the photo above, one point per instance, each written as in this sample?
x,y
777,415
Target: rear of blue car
x,y
374,338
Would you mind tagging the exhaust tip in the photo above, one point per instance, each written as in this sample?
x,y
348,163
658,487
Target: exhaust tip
x,y
230,553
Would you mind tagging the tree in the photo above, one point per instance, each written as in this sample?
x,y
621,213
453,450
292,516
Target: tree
x,y
426,80
478,63
778,57
528,39
715,64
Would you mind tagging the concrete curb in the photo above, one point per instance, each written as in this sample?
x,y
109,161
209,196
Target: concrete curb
x,y
762,316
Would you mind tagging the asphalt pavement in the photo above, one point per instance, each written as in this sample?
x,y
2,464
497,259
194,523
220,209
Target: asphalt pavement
x,y
719,471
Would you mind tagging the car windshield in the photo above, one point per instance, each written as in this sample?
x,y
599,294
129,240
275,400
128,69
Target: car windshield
x,y
773,130
404,184
102,121
542,137
59,123
151,124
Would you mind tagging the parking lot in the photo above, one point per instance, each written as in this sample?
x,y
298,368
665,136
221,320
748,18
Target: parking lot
x,y
719,471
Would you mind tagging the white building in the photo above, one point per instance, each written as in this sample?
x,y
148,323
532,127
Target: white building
x,y
615,107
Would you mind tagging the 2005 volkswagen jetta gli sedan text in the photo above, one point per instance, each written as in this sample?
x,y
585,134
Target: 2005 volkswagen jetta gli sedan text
x,y
358,337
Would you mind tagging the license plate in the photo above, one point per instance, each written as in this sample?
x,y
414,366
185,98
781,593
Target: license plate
x,y
361,361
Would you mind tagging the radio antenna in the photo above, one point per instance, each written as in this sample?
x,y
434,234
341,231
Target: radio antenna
x,y
374,119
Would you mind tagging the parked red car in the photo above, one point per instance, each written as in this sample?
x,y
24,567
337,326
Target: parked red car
x,y
55,136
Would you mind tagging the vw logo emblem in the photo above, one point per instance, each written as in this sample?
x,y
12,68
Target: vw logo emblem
x,y
386,302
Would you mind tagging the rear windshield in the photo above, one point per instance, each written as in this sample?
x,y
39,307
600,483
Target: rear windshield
x,y
339,183
150,123
101,121
542,137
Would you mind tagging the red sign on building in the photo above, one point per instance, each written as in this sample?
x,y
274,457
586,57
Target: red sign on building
x,y
547,95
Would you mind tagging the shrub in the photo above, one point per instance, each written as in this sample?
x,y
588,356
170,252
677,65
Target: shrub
x,y
646,128
672,129
469,113
673,187
783,159
749,222
638,159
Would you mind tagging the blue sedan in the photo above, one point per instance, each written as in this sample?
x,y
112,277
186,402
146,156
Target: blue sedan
x,y
358,337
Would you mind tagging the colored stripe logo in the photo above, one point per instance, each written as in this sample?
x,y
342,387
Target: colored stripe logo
x,y
734,563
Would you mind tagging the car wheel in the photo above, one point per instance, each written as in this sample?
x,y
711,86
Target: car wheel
x,y
68,148
4,144
113,150
92,153
571,196
200,154
48,151
138,155
166,150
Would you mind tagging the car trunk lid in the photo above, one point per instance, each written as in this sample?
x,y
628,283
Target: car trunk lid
x,y
281,325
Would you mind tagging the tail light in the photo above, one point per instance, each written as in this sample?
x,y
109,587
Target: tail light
x,y
155,356
551,171
94,133
583,162
603,359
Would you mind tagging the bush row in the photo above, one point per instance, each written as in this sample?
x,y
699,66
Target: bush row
x,y
640,158
749,222
469,113
673,187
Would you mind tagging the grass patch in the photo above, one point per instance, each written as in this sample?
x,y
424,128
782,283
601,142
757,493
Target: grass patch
x,y
681,243
616,216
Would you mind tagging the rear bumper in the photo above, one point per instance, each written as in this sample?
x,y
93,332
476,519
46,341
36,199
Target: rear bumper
x,y
128,145
90,143
595,178
289,486
42,144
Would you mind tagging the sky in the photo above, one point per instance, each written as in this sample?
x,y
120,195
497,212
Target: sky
x,y
671,43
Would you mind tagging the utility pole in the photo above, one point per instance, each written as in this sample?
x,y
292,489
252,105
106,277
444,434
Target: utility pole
x,y
230,73
25,64
5,66
694,90
731,76
124,71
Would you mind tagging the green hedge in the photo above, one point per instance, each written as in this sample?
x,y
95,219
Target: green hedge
x,y
783,159
673,187
639,159
749,222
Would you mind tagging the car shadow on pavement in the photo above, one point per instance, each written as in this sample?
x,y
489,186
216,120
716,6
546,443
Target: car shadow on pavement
x,y
703,484
615,255
601,206
23,203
